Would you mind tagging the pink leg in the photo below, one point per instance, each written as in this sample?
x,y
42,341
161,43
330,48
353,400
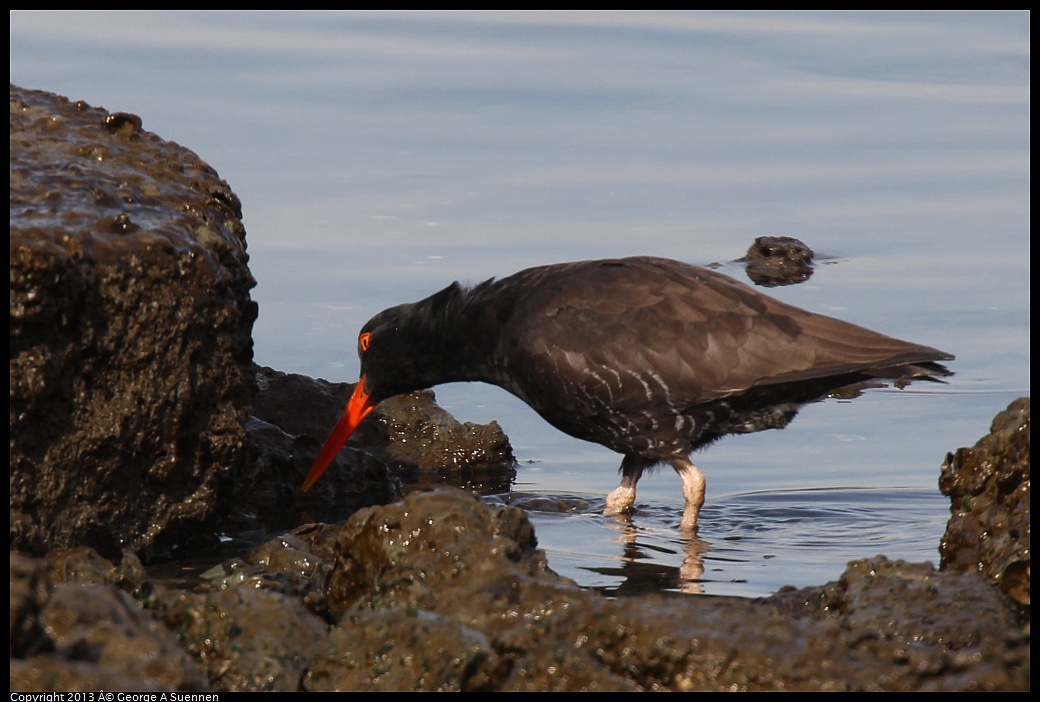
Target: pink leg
x,y
693,490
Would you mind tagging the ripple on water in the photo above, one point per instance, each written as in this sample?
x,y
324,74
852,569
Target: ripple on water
x,y
747,545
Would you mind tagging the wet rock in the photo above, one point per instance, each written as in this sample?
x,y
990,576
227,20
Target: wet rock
x,y
81,637
413,552
296,403
405,650
988,486
409,443
291,416
778,260
455,567
265,494
130,331
247,639
444,592
921,628
31,585
429,447
57,674
296,563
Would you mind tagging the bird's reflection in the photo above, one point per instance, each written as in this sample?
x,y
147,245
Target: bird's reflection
x,y
640,573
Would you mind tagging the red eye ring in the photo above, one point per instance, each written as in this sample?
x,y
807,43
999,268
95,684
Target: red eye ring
x,y
364,340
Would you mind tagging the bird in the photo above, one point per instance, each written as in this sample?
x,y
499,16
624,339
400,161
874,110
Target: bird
x,y
650,357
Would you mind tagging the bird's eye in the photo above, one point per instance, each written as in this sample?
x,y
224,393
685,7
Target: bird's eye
x,y
363,340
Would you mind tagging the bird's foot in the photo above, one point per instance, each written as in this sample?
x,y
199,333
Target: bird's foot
x,y
688,525
620,501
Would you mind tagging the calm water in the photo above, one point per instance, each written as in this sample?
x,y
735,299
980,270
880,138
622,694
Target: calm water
x,y
423,148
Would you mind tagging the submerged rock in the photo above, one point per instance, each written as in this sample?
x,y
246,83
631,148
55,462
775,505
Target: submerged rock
x,y
778,260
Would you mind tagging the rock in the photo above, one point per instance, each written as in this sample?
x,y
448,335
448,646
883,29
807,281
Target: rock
x,y
920,628
988,486
778,260
410,443
421,444
289,412
130,331
444,592
31,585
85,637
376,651
428,447
469,577
247,640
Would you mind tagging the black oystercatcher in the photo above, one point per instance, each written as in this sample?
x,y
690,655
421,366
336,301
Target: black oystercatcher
x,y
650,357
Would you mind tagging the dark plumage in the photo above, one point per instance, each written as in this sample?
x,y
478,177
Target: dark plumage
x,y
650,357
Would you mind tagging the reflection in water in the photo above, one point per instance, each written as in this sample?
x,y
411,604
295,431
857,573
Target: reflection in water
x,y
758,542
641,575
655,555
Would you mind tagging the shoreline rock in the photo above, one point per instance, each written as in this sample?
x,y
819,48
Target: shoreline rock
x,y
132,387
131,325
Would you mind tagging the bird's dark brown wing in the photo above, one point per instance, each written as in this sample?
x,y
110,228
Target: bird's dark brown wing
x,y
639,331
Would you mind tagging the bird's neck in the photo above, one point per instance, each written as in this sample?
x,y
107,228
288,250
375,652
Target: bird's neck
x,y
460,331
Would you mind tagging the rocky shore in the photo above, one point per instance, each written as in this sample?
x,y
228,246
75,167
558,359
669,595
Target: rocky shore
x,y
141,432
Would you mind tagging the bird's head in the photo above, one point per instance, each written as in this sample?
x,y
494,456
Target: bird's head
x,y
401,349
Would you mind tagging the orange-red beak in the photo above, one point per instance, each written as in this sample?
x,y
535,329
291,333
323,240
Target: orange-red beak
x,y
359,407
